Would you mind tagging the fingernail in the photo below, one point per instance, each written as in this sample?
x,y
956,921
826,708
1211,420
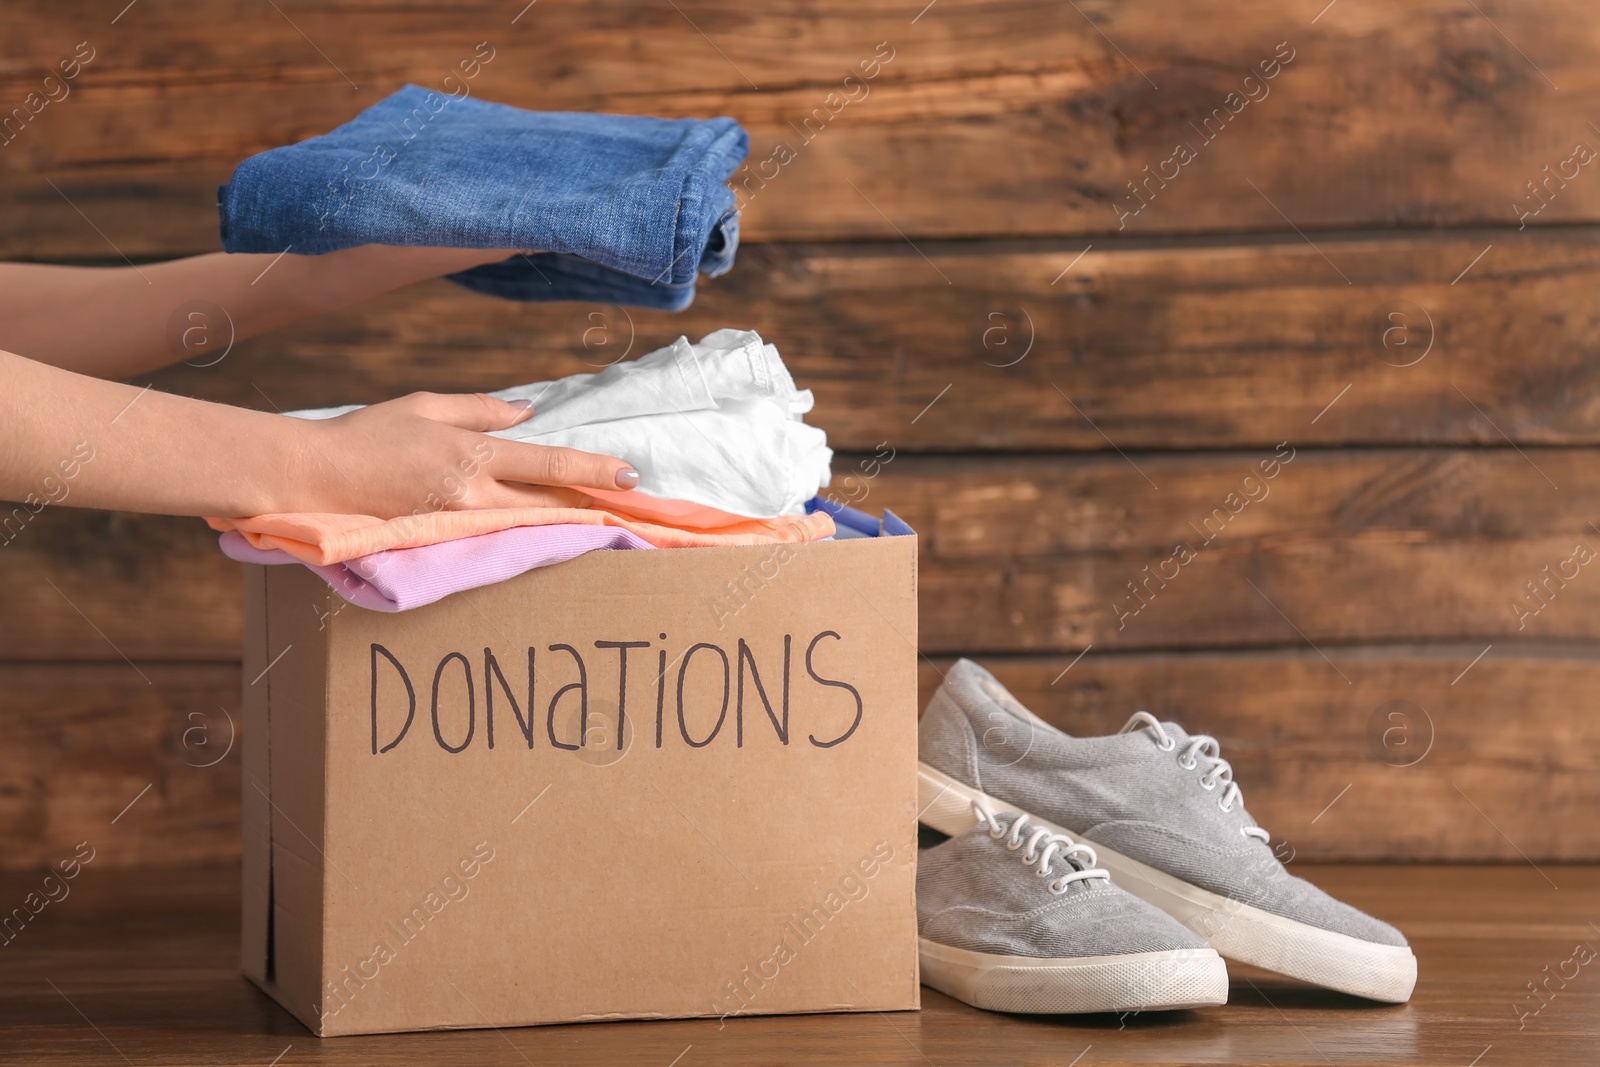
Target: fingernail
x,y
627,478
520,403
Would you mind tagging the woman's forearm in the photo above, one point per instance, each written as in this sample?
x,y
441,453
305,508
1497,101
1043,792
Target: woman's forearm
x,y
114,322
67,438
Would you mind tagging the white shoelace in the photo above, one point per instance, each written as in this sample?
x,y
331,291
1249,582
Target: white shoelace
x,y
1042,846
1218,770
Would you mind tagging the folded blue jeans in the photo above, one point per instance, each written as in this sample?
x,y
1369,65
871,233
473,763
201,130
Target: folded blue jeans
x,y
624,209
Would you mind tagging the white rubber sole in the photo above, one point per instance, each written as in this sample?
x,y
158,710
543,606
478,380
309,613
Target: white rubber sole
x,y
1141,981
1237,930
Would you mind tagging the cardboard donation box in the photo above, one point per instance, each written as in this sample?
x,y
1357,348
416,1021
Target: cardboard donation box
x,y
638,784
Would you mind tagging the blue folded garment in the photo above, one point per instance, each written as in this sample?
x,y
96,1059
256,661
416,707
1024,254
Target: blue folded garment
x,y
624,209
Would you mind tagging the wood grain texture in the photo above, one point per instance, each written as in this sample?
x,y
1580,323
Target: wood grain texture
x,y
1178,346
1341,547
144,969
1027,118
1494,767
1026,554
90,585
924,265
141,762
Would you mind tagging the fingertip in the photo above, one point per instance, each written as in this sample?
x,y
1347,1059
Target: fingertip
x,y
627,478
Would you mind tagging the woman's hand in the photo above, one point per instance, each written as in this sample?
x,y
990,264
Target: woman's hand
x,y
67,439
430,452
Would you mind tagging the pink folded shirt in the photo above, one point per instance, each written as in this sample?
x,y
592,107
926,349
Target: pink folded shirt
x,y
405,578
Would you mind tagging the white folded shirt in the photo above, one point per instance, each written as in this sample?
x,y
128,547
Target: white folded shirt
x,y
719,423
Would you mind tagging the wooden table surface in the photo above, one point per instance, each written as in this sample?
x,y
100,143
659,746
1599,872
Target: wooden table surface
x,y
138,967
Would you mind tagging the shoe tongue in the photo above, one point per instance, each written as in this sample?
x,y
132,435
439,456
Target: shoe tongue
x,y
1061,860
1074,860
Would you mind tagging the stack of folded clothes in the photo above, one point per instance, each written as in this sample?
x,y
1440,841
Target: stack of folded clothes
x,y
716,431
618,209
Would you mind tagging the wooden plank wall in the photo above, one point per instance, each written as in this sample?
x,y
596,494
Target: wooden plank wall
x,y
1372,271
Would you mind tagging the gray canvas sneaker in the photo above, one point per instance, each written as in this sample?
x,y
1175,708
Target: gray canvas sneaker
x,y
1162,811
1014,917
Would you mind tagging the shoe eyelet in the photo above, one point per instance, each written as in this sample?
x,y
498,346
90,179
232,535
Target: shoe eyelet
x,y
1207,786
1167,746
1244,832
1225,807
1056,890
1190,765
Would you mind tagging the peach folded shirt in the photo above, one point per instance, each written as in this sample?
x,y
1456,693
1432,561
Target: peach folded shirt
x,y
326,539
